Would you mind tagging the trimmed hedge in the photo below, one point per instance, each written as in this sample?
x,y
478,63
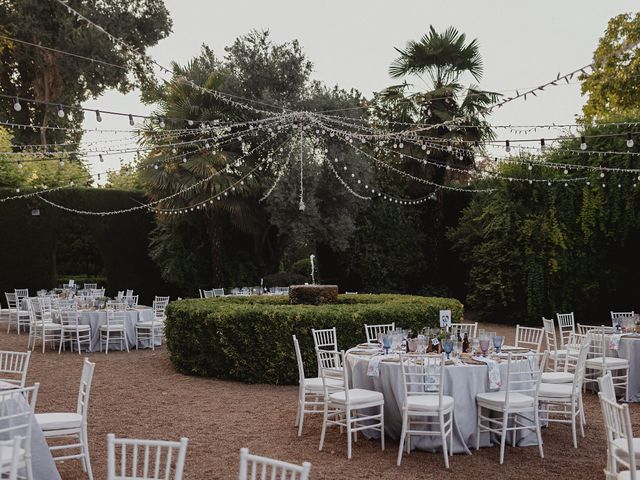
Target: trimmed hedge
x,y
249,338
313,294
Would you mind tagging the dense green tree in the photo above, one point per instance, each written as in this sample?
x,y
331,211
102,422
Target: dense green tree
x,y
48,76
613,88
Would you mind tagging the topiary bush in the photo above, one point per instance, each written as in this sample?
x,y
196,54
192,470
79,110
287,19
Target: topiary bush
x,y
249,338
313,294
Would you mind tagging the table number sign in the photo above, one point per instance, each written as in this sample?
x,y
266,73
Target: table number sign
x,y
445,318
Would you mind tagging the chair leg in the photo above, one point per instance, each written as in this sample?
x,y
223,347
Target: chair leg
x,y
382,427
324,424
85,449
478,428
402,437
573,424
301,407
443,436
348,418
300,393
503,436
536,418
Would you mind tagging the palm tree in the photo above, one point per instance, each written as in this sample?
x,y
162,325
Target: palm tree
x,y
439,61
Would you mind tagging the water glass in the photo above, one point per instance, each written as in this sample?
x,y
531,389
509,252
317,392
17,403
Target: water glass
x,y
448,347
498,341
386,343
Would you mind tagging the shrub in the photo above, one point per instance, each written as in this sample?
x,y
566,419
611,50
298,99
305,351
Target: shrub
x,y
313,294
249,338
302,267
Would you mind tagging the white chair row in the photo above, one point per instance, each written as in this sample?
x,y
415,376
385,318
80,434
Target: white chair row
x,y
214,292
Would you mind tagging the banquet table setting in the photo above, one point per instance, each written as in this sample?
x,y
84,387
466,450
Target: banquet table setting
x,y
465,376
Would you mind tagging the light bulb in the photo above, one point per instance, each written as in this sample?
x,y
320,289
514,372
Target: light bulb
x,y
629,141
507,147
173,150
530,167
566,171
155,166
162,124
190,123
583,143
98,116
424,147
16,106
131,122
601,174
449,147
19,164
100,156
60,111
61,162
542,145
184,160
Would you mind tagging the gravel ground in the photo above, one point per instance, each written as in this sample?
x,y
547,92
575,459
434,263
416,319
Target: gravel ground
x,y
140,395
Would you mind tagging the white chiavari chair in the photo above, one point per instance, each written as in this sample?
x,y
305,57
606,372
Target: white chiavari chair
x,y
556,355
218,292
342,404
529,337
14,367
325,339
71,425
10,458
372,331
519,401
562,402
17,312
310,390
21,293
426,410
616,317
620,441
150,330
129,459
254,467
566,326
17,407
570,360
42,326
129,292
115,330
208,293
471,329
90,286
599,363
73,332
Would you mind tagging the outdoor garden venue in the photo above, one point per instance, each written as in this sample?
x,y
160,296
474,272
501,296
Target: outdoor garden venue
x,y
290,240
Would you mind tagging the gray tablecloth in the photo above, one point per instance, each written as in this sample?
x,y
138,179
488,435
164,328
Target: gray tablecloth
x,y
97,318
44,467
629,348
462,383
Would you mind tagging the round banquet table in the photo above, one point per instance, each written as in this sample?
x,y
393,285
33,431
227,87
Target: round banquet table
x,y
44,467
462,382
629,348
98,318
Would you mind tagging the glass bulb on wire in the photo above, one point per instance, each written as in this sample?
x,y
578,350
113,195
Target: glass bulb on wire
x,y
583,143
98,116
16,106
60,111
629,141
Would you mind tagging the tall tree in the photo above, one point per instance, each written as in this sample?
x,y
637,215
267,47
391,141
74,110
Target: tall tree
x,y
613,88
49,76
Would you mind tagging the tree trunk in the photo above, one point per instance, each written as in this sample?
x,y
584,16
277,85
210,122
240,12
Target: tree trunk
x,y
215,225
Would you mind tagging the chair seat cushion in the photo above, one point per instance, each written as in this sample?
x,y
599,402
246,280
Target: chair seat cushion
x,y
72,328
150,324
428,402
58,421
622,450
315,384
49,326
357,395
112,328
557,377
626,475
496,400
556,390
608,362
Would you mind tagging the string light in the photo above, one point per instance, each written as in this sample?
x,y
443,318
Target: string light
x,y
60,111
629,141
131,122
583,143
16,106
98,116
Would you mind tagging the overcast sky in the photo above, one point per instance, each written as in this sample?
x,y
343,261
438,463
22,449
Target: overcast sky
x,y
351,43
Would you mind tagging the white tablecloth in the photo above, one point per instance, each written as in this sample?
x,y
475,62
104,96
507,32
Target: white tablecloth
x,y
97,318
42,461
462,383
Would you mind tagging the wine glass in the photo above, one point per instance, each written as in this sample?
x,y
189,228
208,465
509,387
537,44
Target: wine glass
x,y
484,344
386,343
475,344
422,344
448,347
457,348
498,340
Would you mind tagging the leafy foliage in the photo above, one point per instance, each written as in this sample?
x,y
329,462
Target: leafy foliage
x,y
614,85
211,337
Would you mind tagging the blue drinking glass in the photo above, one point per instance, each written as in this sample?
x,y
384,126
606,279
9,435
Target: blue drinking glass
x,y
498,340
386,343
448,347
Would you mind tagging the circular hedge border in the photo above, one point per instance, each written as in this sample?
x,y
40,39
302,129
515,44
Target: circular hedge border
x,y
249,338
